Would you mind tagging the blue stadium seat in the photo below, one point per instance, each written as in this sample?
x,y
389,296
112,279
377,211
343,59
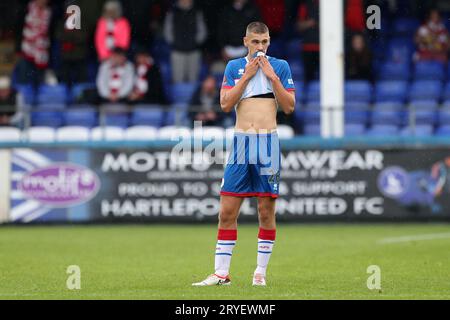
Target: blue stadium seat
x,y
204,71
297,70
313,91
418,130
28,93
357,106
443,130
81,117
446,93
219,79
400,50
47,119
354,129
429,70
50,106
169,118
177,115
391,91
312,106
311,117
446,104
83,106
388,106
293,49
182,92
78,89
356,117
425,117
52,94
423,105
378,46
425,90
386,117
383,130
161,50
394,71
166,76
444,116
276,48
298,113
299,91
150,115
405,26
448,71
311,130
116,119
358,91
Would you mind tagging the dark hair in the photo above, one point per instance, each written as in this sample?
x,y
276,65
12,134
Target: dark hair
x,y
141,50
257,27
119,50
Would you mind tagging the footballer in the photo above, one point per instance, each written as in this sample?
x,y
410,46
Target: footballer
x,y
256,86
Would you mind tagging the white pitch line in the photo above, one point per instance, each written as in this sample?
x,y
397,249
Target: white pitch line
x,y
418,237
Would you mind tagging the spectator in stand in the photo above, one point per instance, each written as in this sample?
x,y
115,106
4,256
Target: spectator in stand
x,y
145,17
212,10
205,103
7,101
233,23
34,43
148,85
432,39
308,26
358,62
113,30
185,31
273,14
115,78
354,16
73,45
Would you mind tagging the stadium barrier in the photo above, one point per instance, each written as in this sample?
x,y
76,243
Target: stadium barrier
x,y
351,179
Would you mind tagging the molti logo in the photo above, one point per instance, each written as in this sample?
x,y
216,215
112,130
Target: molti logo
x,y
60,184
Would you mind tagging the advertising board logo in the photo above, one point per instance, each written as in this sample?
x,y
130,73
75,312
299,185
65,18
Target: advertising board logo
x,y
393,182
60,184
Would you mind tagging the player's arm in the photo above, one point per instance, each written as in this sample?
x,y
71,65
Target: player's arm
x,y
229,97
285,98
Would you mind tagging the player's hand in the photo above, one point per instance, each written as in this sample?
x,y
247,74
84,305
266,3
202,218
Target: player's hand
x,y
251,68
266,67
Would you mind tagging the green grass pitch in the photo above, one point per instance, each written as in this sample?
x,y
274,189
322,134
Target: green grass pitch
x,y
310,261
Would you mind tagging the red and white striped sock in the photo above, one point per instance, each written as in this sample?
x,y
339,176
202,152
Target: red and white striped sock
x,y
226,240
266,240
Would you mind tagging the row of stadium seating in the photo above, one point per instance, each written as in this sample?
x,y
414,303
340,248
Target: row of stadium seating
x,y
390,69
147,133
110,133
422,112
384,130
59,96
382,91
377,117
88,116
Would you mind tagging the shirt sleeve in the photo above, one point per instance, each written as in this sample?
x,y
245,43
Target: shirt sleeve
x,y
228,78
286,77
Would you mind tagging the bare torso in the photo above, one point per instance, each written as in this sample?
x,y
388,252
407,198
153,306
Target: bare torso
x,y
256,114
